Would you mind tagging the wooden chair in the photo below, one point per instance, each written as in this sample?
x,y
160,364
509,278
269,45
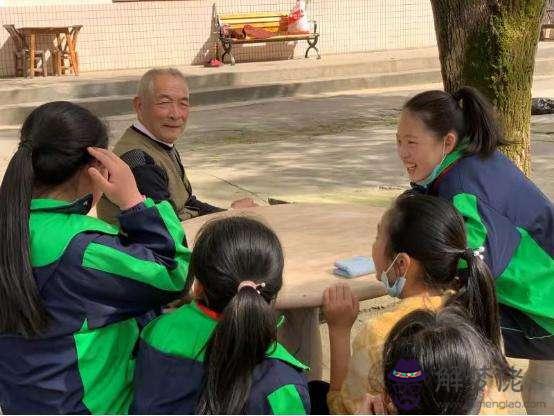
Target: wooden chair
x,y
63,52
548,23
21,54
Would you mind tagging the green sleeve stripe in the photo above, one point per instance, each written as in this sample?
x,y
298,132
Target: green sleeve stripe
x,y
527,282
466,204
286,401
110,260
106,366
177,233
476,232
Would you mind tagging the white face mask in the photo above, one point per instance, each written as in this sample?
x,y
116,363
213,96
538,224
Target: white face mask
x,y
396,289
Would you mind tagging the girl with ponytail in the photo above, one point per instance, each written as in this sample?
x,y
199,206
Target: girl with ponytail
x,y
71,285
420,242
219,354
448,144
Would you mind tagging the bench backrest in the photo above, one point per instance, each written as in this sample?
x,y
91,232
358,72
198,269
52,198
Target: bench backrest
x,y
267,20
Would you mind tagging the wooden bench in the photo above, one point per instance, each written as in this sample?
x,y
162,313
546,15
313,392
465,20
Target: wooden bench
x,y
273,22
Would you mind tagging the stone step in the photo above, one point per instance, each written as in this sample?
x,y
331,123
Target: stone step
x,y
118,104
51,89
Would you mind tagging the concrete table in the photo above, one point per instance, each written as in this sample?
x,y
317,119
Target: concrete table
x,y
313,236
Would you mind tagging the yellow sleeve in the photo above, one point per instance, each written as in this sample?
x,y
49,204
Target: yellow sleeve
x,y
363,372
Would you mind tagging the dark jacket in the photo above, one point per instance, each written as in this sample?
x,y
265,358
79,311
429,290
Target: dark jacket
x,y
170,369
513,220
93,282
159,174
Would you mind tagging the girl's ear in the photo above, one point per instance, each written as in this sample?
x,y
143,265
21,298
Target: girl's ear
x,y
402,264
450,142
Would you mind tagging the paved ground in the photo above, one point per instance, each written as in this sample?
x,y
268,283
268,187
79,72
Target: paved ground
x,y
328,149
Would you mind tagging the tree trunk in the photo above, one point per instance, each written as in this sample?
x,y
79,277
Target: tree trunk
x,y
491,45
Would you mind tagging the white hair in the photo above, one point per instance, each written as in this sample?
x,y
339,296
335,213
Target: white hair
x,y
146,84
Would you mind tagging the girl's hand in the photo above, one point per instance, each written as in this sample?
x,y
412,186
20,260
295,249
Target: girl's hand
x,y
375,405
120,186
340,306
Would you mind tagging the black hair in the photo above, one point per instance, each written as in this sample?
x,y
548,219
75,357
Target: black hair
x,y
227,252
466,112
53,147
430,230
455,359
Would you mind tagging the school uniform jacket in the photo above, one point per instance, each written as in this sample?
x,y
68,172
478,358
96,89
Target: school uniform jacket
x,y
93,281
505,213
170,369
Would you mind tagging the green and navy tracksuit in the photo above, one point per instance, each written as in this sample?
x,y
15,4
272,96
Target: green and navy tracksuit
x,y
505,213
170,369
93,281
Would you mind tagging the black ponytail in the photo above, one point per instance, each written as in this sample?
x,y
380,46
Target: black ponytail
x,y
21,310
466,112
477,295
482,128
246,330
52,148
430,230
227,252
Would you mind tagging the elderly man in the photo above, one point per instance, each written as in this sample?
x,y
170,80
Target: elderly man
x,y
148,146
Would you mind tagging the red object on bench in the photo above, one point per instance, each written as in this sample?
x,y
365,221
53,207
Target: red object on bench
x,y
257,32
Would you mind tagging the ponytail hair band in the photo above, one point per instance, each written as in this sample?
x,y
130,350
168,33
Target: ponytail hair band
x,y
253,285
468,252
26,145
457,96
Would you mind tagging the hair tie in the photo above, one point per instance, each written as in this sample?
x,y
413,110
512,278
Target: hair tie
x,y
26,145
468,252
457,96
479,252
253,285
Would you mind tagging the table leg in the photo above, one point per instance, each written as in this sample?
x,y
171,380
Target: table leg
x,y
300,335
32,49
72,54
538,388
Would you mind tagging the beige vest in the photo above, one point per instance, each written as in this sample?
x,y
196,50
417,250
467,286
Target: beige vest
x,y
178,184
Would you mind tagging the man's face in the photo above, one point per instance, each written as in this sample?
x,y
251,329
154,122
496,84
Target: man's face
x,y
165,111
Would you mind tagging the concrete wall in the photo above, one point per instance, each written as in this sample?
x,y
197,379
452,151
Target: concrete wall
x,y
160,33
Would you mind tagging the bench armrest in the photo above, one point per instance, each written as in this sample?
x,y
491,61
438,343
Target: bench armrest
x,y
219,28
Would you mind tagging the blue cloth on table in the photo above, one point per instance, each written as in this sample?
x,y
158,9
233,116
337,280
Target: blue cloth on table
x,y
355,266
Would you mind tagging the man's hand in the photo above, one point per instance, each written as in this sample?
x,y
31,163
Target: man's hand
x,y
119,185
244,203
340,307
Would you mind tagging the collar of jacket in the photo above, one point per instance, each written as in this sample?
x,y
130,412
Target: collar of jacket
x,y
79,206
276,350
163,145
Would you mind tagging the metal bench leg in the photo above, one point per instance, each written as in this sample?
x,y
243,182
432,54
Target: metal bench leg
x,y
312,43
227,51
